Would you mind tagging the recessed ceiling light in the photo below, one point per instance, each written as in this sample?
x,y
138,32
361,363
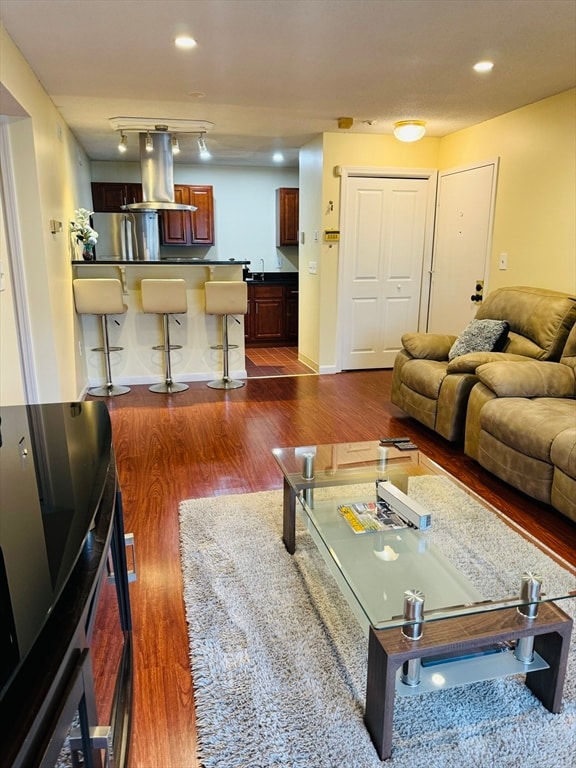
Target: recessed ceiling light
x,y
278,157
185,41
197,94
483,66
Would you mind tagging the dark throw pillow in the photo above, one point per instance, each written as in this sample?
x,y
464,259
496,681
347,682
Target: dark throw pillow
x,y
480,336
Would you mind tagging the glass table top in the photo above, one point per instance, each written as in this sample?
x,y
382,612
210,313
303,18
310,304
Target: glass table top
x,y
470,559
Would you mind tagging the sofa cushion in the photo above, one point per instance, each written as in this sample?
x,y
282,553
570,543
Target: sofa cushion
x,y
470,362
540,320
424,376
428,346
480,336
529,426
563,451
569,351
529,378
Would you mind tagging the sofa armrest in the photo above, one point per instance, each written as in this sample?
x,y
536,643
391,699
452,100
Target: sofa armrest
x,y
479,396
428,346
472,360
528,379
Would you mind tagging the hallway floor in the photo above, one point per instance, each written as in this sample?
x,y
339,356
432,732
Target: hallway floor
x,y
274,361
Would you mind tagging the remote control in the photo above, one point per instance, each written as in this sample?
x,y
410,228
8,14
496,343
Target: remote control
x,y
406,447
392,440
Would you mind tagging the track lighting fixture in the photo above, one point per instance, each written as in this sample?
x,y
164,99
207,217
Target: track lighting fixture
x,y
149,144
175,146
204,154
123,146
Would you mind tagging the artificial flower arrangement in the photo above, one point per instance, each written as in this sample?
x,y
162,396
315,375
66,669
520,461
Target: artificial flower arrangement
x,y
83,232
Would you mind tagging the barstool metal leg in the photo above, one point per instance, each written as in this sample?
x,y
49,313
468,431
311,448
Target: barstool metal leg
x,y
168,386
225,382
109,389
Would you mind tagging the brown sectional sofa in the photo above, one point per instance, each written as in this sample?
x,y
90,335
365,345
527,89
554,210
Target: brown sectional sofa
x,y
435,390
515,409
521,426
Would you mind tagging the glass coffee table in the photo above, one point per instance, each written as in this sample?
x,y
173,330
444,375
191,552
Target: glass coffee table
x,y
433,573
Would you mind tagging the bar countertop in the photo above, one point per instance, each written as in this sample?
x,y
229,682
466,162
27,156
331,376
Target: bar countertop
x,y
172,260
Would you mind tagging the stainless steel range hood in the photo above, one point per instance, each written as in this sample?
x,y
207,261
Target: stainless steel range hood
x,y
157,174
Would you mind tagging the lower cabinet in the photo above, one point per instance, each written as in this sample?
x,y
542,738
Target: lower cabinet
x,y
272,317
291,313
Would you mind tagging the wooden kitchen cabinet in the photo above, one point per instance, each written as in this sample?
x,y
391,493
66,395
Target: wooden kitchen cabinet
x,y
109,197
287,202
266,313
189,227
272,317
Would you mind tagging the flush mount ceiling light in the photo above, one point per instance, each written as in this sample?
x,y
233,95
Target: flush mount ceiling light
x,y
123,146
483,66
185,42
278,157
409,130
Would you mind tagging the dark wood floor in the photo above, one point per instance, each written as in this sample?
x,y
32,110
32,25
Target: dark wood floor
x,y
204,442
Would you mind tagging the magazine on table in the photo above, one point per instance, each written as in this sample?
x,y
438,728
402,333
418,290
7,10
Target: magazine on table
x,y
370,516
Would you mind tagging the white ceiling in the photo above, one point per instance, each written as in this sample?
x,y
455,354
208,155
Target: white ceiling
x,y
277,72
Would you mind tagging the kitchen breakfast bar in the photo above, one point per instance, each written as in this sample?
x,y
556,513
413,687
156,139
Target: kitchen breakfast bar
x,y
194,334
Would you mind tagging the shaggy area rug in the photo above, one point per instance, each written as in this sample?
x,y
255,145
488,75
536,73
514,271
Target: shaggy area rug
x,y
279,661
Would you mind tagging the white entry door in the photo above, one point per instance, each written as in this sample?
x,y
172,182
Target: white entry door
x,y
387,225
462,245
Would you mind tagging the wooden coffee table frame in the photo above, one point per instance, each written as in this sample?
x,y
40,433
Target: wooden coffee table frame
x,y
388,649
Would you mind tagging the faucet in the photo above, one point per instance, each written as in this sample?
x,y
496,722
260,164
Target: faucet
x,y
262,270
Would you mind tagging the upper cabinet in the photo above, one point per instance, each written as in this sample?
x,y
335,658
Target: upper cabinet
x,y
177,227
189,227
109,197
287,216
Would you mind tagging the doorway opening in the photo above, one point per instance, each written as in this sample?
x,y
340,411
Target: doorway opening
x,y
265,362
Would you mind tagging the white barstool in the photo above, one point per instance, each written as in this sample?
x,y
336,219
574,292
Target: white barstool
x,y
166,297
102,297
226,298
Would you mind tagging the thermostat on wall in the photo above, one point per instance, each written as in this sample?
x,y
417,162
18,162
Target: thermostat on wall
x,y
331,235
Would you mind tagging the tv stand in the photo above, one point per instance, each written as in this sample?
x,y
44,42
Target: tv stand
x,y
60,519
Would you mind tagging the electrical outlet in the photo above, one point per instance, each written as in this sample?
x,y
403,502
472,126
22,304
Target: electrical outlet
x,y
503,261
312,268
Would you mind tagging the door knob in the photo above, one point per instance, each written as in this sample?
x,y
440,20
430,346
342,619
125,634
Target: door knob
x,y
479,289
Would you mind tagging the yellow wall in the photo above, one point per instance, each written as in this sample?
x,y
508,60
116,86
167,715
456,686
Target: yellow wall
x,y
535,201
310,251
11,379
51,179
319,293
535,215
